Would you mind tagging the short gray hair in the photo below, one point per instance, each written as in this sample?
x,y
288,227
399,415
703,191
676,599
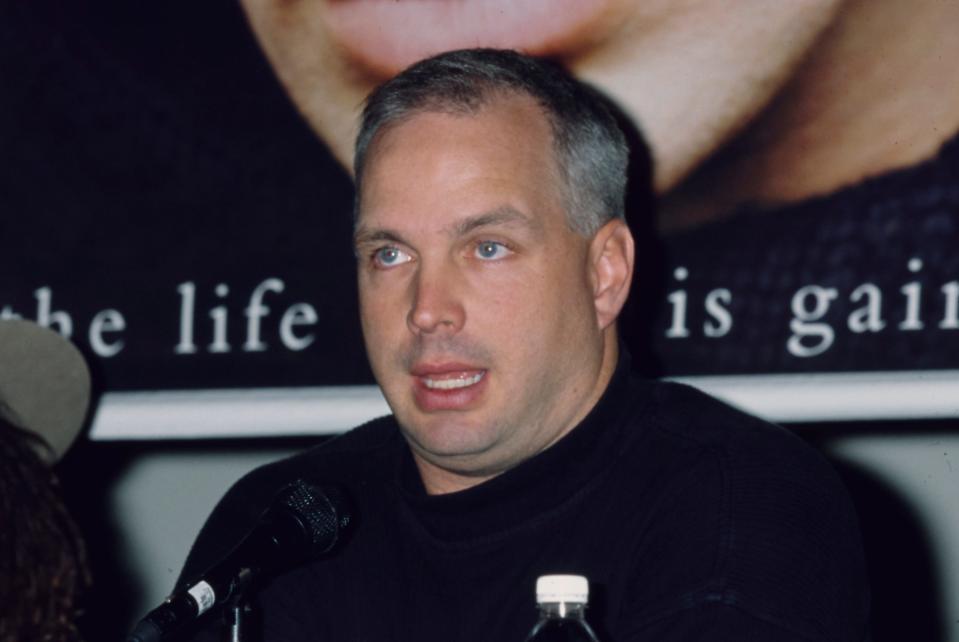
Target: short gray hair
x,y
591,150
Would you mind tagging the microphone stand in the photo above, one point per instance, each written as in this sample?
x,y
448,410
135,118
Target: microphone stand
x,y
237,619
237,610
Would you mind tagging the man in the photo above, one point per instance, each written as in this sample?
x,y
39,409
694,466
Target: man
x,y
492,263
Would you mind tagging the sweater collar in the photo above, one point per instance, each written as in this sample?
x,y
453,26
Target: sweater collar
x,y
539,485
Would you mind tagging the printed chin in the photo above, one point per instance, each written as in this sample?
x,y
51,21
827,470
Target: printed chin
x,y
386,37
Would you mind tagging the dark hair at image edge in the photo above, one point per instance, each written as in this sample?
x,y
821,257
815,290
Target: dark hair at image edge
x,y
42,557
591,151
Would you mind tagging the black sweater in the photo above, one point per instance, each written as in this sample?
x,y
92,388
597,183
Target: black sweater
x,y
691,520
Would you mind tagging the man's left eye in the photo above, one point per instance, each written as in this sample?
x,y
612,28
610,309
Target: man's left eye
x,y
489,250
389,256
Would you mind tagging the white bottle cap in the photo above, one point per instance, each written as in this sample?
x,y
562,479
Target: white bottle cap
x,y
562,588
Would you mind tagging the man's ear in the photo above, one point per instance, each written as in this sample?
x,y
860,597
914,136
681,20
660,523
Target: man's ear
x,y
611,256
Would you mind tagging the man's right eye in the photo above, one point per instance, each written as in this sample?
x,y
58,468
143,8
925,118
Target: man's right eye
x,y
386,257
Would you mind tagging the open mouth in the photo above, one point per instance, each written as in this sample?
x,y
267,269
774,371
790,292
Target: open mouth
x,y
462,380
449,387
388,35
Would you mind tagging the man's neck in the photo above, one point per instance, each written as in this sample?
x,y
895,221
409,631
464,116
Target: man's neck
x,y
877,93
440,481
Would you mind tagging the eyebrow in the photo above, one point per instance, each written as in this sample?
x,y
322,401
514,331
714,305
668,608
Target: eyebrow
x,y
504,215
364,238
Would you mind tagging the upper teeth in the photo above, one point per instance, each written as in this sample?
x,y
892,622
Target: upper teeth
x,y
450,384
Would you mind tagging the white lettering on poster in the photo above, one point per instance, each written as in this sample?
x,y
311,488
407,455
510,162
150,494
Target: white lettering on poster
x,y
7,314
187,301
299,315
950,319
820,315
913,292
255,311
868,318
806,322
106,321
677,299
720,321
57,320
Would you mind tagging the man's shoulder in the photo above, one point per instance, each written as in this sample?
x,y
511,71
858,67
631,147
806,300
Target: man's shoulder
x,y
751,513
696,422
684,433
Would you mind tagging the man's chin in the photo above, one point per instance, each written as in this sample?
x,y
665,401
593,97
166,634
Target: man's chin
x,y
461,446
453,470
451,448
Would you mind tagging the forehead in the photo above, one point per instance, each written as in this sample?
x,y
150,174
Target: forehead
x,y
436,165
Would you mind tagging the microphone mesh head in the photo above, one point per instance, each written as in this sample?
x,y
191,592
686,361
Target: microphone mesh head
x,y
323,511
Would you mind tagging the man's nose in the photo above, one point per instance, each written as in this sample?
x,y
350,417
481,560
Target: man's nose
x,y
436,306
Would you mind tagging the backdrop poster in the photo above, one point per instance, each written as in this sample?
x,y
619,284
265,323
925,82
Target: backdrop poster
x,y
167,207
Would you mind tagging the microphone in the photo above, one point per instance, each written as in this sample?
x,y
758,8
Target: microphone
x,y
303,521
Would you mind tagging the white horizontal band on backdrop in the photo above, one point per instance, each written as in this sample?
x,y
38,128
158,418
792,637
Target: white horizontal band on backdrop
x,y
846,396
279,412
257,412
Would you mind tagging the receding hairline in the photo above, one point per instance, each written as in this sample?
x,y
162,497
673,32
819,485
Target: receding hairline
x,y
589,150
493,96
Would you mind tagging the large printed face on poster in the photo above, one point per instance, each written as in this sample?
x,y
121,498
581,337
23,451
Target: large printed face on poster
x,y
177,196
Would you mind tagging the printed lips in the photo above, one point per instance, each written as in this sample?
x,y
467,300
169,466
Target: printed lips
x,y
388,36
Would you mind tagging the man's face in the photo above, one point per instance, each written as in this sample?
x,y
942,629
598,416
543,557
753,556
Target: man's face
x,y
476,298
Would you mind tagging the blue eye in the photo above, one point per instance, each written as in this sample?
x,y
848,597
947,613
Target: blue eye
x,y
390,256
490,250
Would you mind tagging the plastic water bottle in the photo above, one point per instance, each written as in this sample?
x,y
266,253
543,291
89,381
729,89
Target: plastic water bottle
x,y
562,603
